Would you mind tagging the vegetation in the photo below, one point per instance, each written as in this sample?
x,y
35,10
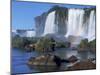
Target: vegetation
x,y
44,44
87,45
92,45
84,44
21,42
17,42
62,45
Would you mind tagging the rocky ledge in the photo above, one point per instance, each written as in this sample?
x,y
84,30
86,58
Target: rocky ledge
x,y
48,60
41,60
83,65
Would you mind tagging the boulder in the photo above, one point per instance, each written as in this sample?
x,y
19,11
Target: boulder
x,y
72,59
83,65
41,60
46,60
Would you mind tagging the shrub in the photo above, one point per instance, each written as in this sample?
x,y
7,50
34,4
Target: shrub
x,y
87,45
43,44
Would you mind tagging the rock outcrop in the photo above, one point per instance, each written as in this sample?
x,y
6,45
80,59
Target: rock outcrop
x,y
50,60
72,59
40,24
83,65
41,60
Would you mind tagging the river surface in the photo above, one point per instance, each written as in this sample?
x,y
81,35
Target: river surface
x,y
20,59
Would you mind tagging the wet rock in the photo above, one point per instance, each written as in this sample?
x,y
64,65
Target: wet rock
x,y
50,60
83,65
72,59
41,60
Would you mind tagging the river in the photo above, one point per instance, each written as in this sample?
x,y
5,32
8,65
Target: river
x,y
20,59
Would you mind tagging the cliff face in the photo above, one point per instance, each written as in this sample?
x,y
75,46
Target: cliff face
x,y
40,24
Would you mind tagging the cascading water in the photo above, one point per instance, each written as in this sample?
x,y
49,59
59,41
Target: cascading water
x,y
50,26
91,27
75,22
76,27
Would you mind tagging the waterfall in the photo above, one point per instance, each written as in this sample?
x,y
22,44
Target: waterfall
x,y
75,22
76,27
91,27
50,26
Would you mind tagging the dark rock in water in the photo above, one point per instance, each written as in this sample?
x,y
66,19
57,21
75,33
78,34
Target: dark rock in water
x,y
41,60
50,60
73,59
83,65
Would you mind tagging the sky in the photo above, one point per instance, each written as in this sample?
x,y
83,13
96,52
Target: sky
x,y
23,13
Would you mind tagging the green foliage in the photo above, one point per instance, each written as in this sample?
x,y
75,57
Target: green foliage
x,y
92,44
17,42
83,44
21,42
43,44
61,45
87,45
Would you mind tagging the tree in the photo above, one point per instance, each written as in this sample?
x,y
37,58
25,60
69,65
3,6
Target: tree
x,y
87,45
83,45
43,44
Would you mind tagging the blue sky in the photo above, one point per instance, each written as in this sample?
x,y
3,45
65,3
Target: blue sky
x,y
23,13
